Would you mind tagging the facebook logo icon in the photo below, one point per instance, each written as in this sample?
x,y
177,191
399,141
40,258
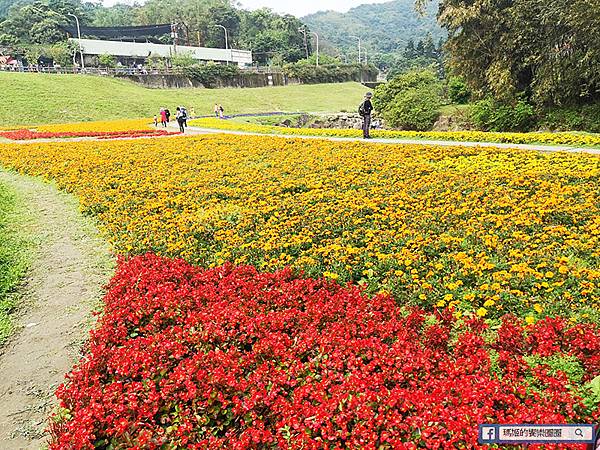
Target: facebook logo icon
x,y
488,434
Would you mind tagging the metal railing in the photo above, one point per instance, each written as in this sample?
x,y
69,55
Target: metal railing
x,y
106,71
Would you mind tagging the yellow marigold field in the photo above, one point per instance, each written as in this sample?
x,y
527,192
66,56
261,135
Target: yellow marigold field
x,y
103,125
571,139
485,231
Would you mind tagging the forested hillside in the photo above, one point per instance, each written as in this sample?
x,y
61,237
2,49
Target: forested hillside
x,y
383,27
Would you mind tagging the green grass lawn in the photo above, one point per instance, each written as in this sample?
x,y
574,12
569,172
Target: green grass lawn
x,y
29,99
449,110
13,258
267,120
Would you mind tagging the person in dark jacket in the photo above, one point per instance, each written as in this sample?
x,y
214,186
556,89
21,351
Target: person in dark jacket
x,y
180,116
168,113
365,109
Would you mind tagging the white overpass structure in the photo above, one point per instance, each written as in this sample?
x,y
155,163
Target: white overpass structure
x,y
136,50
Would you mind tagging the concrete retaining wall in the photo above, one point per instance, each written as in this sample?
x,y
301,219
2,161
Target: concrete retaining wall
x,y
243,80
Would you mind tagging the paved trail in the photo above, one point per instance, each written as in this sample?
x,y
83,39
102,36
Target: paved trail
x,y
68,270
194,131
543,148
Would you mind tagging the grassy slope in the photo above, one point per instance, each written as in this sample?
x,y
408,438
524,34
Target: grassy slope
x,y
43,98
13,258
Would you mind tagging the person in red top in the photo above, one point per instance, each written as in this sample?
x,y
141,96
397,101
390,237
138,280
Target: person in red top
x,y
163,117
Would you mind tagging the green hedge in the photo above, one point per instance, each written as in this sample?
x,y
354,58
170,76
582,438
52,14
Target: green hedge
x,y
410,101
491,115
577,118
336,73
209,74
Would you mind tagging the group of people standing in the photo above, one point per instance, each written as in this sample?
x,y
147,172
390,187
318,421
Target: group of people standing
x,y
181,115
365,110
219,111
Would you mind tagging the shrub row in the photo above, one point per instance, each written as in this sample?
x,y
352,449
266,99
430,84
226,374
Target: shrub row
x,y
337,73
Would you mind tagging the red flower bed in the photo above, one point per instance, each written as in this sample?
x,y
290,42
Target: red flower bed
x,y
229,357
22,135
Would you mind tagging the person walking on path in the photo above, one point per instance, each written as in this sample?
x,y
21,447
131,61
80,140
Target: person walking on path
x,y
163,117
168,113
184,114
364,110
180,116
221,112
216,110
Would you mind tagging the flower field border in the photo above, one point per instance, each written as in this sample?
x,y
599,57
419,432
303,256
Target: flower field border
x,y
234,358
568,139
26,135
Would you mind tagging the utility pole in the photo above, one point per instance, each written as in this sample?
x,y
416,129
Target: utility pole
x,y
359,48
303,31
79,39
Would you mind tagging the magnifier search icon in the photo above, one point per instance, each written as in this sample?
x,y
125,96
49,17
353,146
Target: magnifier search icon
x,y
578,432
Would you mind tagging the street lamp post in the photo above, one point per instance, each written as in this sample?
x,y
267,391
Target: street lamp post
x,y
79,39
359,48
226,40
317,36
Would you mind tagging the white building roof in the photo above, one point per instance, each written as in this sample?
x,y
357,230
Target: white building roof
x,y
143,50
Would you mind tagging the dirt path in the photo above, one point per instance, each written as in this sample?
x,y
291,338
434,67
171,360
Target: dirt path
x,y
68,270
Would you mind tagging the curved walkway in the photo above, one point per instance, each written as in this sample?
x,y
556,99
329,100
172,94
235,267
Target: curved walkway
x,y
70,266
191,130
544,148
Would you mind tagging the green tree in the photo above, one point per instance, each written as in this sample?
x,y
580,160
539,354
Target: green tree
x,y
183,60
107,60
415,109
410,51
411,100
115,16
270,35
548,50
61,53
40,22
458,91
387,93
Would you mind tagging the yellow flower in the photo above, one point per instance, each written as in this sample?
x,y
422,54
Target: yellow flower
x,y
481,312
538,308
350,211
530,320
